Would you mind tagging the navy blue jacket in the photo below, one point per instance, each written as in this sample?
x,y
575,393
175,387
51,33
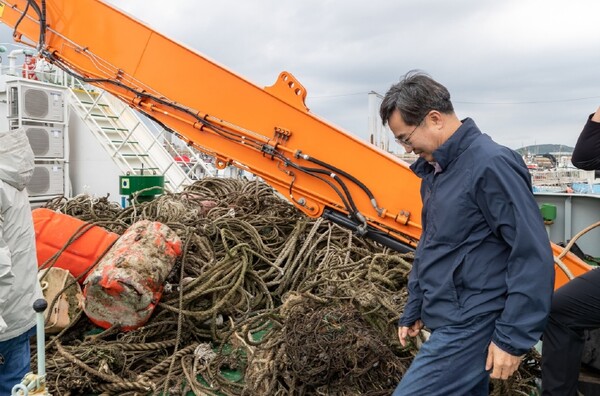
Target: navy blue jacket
x,y
484,248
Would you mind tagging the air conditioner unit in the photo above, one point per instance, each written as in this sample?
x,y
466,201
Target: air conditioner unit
x,y
36,102
46,141
47,179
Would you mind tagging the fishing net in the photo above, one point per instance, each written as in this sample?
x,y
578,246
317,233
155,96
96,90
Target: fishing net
x,y
263,301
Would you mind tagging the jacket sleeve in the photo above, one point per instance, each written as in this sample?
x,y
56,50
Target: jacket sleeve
x,y
412,309
586,154
507,203
6,274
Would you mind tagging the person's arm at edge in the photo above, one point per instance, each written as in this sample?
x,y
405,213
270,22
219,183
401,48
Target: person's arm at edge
x,y
596,116
586,154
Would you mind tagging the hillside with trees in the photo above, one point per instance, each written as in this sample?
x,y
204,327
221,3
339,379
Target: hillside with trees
x,y
544,149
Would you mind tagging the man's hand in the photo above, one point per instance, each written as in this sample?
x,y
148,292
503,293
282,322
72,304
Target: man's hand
x,y
411,331
502,363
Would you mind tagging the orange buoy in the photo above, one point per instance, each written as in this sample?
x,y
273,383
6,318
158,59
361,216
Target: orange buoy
x,y
54,230
127,284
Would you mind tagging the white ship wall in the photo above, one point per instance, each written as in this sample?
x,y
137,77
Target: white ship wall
x,y
92,171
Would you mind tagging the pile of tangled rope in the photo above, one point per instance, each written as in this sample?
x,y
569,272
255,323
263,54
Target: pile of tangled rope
x,y
263,301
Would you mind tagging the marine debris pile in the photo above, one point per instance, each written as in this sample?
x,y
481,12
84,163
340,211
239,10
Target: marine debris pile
x,y
262,301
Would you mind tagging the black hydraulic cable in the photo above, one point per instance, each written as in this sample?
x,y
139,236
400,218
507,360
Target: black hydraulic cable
x,y
42,40
360,184
220,131
351,206
21,17
42,17
372,233
42,20
348,203
330,184
59,63
333,187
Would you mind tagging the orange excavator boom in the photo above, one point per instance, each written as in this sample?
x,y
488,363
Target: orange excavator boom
x,y
323,170
267,131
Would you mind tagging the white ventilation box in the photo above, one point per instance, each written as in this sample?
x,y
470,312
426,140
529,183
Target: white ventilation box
x,y
46,141
38,102
47,179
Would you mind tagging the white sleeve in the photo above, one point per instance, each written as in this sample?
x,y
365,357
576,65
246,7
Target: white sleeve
x,y
6,275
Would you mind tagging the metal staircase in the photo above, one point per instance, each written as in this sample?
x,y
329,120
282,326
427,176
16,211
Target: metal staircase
x,y
136,146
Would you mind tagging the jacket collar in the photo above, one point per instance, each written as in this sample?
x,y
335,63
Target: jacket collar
x,y
451,149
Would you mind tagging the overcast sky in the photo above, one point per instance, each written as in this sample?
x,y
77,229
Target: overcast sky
x,y
527,71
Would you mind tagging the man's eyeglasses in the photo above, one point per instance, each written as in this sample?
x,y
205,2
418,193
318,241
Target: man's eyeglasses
x,y
406,141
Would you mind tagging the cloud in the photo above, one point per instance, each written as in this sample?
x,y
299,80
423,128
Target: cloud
x,y
525,70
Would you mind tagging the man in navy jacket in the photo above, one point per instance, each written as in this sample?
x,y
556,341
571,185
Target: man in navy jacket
x,y
483,273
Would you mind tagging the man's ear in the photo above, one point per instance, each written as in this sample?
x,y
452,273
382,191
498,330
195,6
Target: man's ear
x,y
436,119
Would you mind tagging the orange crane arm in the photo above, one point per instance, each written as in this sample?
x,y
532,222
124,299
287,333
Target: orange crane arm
x,y
270,132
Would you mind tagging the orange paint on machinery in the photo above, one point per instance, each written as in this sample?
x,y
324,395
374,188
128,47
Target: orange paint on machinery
x,y
264,130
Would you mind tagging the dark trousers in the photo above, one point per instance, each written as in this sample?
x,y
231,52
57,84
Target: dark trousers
x,y
14,361
575,308
452,361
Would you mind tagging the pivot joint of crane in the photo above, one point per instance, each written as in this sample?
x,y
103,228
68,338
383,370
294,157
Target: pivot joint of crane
x,y
402,217
222,162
